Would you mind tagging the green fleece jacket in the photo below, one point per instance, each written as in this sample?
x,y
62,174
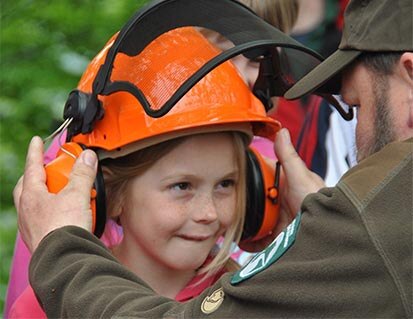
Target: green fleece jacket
x,y
352,258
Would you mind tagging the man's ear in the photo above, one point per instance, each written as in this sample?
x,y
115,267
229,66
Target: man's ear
x,y
406,67
406,63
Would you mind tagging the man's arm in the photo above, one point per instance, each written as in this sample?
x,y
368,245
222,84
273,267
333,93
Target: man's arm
x,y
80,263
339,266
75,276
345,263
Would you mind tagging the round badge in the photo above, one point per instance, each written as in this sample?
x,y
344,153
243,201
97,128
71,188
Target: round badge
x,y
213,301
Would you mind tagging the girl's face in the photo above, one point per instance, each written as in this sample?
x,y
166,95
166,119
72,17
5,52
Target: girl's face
x,y
175,211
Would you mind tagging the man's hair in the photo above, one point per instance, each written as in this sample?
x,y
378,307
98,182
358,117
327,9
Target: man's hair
x,y
382,63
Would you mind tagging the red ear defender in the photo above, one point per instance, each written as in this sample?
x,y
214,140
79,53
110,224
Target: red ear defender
x,y
262,197
57,176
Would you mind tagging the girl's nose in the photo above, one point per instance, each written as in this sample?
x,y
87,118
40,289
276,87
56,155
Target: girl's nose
x,y
206,212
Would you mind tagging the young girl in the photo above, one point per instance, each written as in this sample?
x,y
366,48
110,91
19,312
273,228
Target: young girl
x,y
177,183
174,200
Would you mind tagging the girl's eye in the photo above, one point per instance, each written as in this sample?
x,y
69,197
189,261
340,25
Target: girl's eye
x,y
227,183
182,186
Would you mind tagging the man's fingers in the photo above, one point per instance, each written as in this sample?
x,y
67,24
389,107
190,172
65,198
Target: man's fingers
x,y
34,173
84,172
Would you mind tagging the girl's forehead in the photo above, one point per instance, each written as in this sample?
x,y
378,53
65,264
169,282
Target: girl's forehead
x,y
208,145
213,149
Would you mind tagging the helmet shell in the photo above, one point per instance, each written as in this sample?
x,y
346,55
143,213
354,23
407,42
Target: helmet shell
x,y
220,101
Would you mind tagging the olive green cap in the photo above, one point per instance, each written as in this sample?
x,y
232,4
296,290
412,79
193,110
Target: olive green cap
x,y
369,26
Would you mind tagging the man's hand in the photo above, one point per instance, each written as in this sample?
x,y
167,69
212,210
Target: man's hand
x,y
39,211
297,181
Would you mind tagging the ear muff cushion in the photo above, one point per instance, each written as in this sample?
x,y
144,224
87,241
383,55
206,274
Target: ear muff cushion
x,y
99,186
254,215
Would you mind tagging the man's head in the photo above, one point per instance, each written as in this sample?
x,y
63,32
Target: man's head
x,y
380,87
369,26
373,70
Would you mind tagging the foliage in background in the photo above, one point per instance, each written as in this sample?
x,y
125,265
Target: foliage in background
x,y
44,48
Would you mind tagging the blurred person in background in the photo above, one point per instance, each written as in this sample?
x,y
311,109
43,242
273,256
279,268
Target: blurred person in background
x,y
323,139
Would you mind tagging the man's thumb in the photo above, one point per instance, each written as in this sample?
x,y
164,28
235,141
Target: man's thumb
x,y
88,158
300,179
84,171
286,152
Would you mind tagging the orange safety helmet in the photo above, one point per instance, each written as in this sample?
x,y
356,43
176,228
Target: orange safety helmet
x,y
219,101
282,62
159,78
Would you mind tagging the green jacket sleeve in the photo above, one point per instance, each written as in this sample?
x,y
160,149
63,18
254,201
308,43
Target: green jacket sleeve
x,y
77,277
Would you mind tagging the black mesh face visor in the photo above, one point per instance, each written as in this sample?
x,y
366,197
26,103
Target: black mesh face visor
x,y
282,60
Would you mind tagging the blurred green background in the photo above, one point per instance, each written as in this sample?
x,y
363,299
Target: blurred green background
x,y
44,48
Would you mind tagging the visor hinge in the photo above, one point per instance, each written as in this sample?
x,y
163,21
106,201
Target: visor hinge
x,y
85,109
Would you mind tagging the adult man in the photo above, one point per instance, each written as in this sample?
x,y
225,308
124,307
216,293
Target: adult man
x,y
352,254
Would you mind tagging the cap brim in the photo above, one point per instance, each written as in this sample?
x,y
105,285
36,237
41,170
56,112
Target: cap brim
x,y
320,75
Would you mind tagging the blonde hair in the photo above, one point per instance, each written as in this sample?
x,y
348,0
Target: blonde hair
x,y
282,14
120,171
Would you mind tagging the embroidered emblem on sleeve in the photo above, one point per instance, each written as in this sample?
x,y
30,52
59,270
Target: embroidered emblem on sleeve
x,y
271,254
213,301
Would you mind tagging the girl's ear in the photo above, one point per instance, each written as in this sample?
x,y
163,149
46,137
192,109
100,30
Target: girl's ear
x,y
117,214
118,221
115,211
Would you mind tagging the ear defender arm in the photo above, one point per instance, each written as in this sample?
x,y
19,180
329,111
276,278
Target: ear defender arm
x,y
262,197
57,176
270,81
